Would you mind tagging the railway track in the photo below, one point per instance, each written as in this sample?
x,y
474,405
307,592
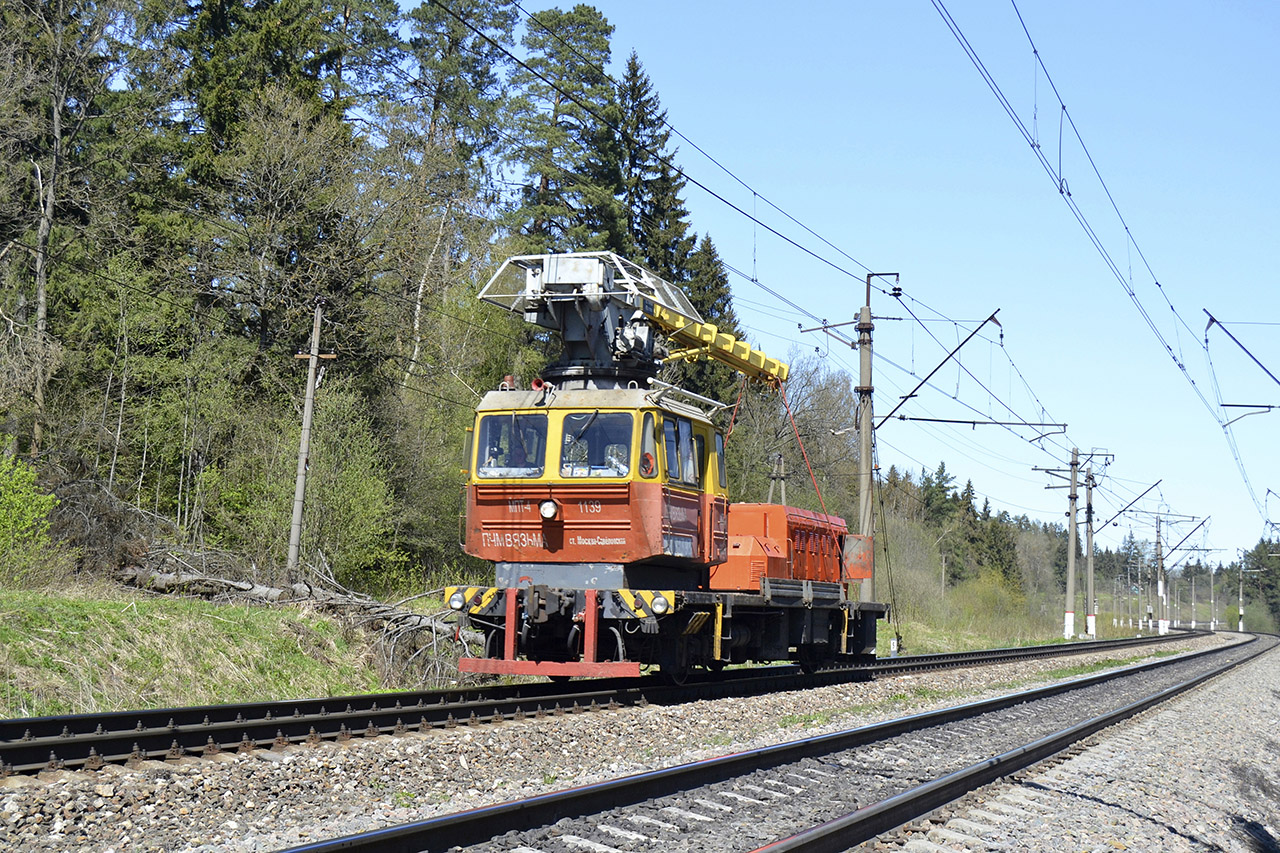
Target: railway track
x,y
90,741
825,793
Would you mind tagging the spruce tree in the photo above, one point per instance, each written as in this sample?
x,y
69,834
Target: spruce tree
x,y
457,80
666,241
557,132
707,286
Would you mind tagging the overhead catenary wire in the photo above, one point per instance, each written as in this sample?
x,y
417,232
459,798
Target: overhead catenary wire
x,y
755,193
1065,193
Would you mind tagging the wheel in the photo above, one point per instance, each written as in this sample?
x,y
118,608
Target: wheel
x,y
675,668
675,676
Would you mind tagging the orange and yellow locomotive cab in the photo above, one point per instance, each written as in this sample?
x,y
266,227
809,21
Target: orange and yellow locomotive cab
x,y
613,478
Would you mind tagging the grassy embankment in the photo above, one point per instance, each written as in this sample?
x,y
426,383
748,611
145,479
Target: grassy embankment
x,y
101,649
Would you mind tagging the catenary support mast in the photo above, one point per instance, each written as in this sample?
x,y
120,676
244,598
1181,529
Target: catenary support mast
x,y
1069,615
865,327
1090,603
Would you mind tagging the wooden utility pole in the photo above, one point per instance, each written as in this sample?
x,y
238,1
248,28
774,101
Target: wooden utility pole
x,y
304,445
779,475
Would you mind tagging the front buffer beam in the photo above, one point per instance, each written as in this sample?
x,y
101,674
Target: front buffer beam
x,y
587,665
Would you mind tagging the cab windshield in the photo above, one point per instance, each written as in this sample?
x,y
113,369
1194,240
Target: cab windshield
x,y
512,445
596,444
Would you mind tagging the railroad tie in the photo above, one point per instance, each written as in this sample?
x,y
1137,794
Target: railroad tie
x,y
920,845
687,815
587,844
624,834
643,820
756,789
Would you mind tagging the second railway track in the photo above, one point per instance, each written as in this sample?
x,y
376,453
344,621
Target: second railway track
x,y
826,793
269,799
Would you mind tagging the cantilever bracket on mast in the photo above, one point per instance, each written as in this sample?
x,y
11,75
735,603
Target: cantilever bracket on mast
x,y
1059,428
922,382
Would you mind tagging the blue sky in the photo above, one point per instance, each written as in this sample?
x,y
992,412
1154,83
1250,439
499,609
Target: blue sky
x,y
867,122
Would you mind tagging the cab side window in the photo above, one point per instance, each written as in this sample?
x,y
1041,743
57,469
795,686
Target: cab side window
x,y
671,448
723,481
685,453
648,448
688,464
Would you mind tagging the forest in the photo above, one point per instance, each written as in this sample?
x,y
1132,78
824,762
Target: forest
x,y
182,184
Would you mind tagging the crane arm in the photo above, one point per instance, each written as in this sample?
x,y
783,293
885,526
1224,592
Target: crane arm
x,y
698,340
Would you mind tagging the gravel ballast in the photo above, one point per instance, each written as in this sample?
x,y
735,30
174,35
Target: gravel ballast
x,y
267,800
1198,773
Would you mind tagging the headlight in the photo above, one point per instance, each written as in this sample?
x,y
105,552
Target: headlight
x,y
660,605
457,601
548,509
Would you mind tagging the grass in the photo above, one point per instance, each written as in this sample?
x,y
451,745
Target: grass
x,y
1085,669
99,649
919,638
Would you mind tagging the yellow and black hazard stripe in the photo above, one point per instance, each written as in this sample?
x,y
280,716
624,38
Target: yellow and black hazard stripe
x,y
477,598
643,603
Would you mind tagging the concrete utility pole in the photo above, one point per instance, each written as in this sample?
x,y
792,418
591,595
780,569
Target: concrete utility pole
x,y
1069,612
1069,616
304,446
1162,589
863,549
1090,604
1241,604
865,327
1128,593
1213,604
1142,588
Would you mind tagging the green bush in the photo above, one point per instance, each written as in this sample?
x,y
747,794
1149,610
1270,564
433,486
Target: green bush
x,y
28,557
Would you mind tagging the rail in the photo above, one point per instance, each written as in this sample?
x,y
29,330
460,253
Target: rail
x,y
30,745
